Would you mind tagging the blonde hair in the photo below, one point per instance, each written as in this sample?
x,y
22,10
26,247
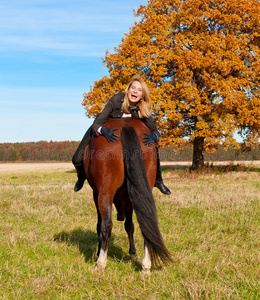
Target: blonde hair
x,y
144,103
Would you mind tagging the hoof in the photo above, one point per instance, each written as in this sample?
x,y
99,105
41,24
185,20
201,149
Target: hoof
x,y
132,251
146,272
98,268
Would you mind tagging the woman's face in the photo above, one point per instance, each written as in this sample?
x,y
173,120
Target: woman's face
x,y
135,92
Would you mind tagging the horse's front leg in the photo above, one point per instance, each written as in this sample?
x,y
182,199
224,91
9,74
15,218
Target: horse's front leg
x,y
104,229
146,262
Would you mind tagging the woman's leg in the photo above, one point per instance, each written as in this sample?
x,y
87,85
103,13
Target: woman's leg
x,y
77,160
159,181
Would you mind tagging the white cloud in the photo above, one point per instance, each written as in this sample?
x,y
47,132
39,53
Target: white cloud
x,y
22,99
66,46
83,28
54,43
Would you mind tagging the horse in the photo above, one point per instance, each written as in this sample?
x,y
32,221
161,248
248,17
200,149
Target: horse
x,y
124,173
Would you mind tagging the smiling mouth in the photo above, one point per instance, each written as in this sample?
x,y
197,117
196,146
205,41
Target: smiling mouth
x,y
134,96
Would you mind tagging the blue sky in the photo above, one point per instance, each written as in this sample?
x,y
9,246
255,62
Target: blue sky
x,y
50,54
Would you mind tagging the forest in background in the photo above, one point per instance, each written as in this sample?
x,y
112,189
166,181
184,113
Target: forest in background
x,y
38,151
63,151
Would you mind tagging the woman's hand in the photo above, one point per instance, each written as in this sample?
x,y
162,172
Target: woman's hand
x,y
109,134
150,138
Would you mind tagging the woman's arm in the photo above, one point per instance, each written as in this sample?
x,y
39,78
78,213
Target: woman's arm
x,y
150,123
103,116
108,111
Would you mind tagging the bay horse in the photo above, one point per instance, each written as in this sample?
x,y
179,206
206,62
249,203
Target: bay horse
x,y
124,173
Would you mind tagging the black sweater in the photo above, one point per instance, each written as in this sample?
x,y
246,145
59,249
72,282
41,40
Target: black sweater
x,y
113,109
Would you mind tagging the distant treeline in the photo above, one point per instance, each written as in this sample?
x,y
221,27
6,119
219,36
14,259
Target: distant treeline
x,y
231,154
38,151
63,151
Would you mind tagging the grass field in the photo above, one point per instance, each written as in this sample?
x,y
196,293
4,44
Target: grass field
x,y
210,224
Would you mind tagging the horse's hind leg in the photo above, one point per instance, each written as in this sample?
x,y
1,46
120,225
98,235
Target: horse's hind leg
x,y
120,207
95,196
146,262
104,229
129,227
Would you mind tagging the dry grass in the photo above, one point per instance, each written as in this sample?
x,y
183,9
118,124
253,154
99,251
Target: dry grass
x,y
210,224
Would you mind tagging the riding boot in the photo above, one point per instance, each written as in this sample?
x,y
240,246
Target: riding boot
x,y
81,176
159,181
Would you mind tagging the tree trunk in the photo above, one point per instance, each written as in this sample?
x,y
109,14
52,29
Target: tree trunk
x,y
198,156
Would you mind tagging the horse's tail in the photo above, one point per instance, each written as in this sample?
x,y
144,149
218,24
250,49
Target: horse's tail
x,y
141,195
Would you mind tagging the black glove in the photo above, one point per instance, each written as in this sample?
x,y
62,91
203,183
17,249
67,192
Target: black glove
x,y
109,134
150,138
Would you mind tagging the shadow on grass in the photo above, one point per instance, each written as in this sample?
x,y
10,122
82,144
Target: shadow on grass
x,y
87,242
71,171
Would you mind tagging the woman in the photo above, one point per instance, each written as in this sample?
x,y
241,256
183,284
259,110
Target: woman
x,y
133,103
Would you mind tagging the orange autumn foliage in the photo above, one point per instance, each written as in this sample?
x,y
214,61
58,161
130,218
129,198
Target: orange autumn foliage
x,y
201,60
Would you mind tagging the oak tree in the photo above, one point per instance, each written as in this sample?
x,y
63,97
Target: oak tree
x,y
200,59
